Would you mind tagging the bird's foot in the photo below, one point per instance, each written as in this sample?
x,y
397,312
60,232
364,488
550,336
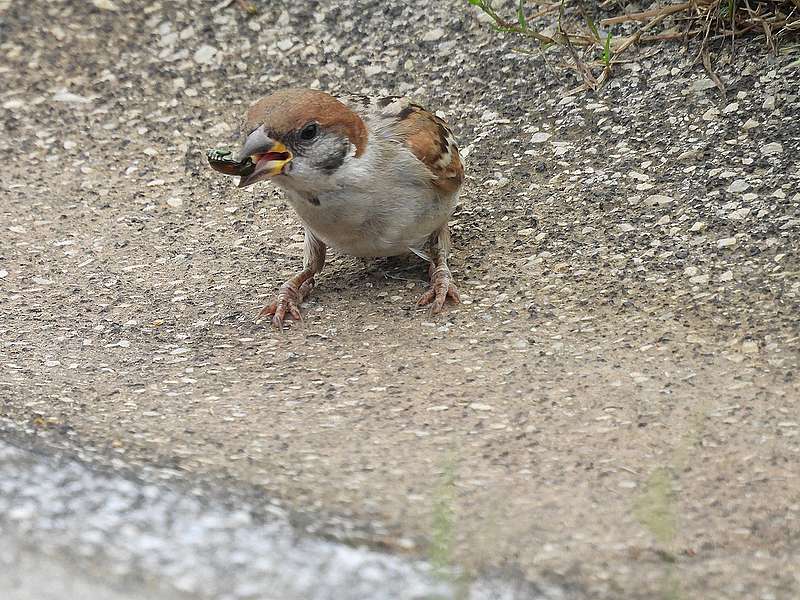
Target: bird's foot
x,y
442,288
288,302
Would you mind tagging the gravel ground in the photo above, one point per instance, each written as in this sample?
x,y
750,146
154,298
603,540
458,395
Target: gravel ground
x,y
612,409
133,539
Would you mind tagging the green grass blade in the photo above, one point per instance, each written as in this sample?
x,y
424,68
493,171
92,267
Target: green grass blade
x,y
607,50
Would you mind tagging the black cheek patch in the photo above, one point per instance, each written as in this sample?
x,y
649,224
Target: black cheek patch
x,y
314,200
334,160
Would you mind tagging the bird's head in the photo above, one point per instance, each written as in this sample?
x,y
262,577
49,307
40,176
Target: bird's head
x,y
301,135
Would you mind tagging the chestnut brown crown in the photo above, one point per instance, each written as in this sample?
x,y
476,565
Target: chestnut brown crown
x,y
287,111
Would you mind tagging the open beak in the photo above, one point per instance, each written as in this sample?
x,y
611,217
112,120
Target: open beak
x,y
270,157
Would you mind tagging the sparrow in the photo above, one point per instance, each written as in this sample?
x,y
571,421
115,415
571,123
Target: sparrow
x,y
366,176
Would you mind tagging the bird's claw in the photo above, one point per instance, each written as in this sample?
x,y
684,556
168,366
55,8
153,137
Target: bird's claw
x,y
288,302
442,288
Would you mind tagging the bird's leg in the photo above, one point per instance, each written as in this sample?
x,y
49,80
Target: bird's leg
x,y
292,293
442,286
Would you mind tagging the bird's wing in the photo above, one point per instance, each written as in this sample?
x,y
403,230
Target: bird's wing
x,y
427,136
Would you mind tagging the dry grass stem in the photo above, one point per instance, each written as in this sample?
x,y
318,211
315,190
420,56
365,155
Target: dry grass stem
x,y
646,15
707,21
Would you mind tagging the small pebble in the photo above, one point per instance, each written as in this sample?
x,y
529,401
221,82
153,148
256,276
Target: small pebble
x,y
771,149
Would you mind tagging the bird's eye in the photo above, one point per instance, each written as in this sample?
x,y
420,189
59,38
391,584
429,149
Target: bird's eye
x,y
309,132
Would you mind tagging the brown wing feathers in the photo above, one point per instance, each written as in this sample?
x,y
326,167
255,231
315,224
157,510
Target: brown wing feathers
x,y
431,141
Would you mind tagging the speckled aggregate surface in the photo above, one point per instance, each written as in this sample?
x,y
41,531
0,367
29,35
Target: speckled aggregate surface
x,y
153,541
614,406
